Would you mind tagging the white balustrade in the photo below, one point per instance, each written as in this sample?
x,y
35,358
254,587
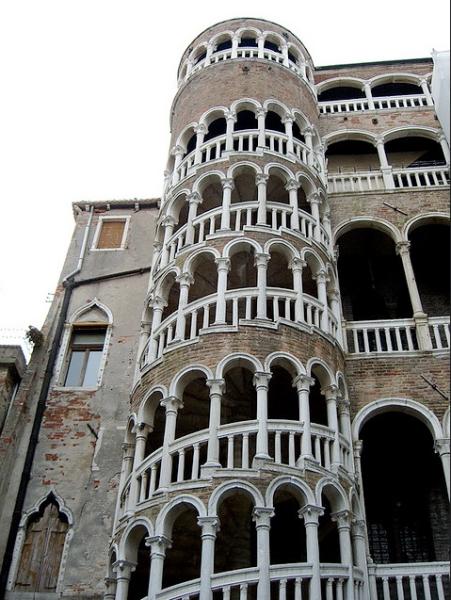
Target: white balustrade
x,y
432,176
335,581
439,330
411,580
340,183
380,103
396,335
340,106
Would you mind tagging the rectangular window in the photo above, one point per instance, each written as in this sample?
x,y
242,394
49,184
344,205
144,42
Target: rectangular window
x,y
85,353
111,234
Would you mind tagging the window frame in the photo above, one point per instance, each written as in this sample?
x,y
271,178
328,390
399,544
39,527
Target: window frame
x,y
86,349
123,218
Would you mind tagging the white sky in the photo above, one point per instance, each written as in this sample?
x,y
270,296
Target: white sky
x,y
86,88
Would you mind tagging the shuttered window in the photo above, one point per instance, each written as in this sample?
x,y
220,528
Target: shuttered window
x,y
111,234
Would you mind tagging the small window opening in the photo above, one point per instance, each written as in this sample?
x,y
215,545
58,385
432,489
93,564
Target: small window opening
x,y
111,234
248,43
85,354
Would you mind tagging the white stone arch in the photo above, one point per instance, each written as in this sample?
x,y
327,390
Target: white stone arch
x,y
245,104
217,38
22,530
284,246
269,33
297,50
184,376
286,480
423,219
280,170
400,77
342,386
171,208
197,50
130,429
79,312
367,223
306,182
198,184
355,82
237,359
226,489
301,117
313,259
430,133
326,376
235,245
184,136
148,408
446,423
124,547
277,106
334,492
281,358
240,165
211,114
169,513
162,283
188,265
355,504
359,135
248,29
410,407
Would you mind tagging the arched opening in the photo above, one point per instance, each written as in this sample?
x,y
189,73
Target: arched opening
x,y
309,286
278,272
245,119
297,135
223,45
372,280
243,272
273,122
329,542
245,189
248,40
200,55
405,495
293,55
138,553
352,156
283,400
42,549
190,136
317,404
287,535
275,190
414,152
182,562
395,88
239,400
302,201
216,128
194,416
211,195
236,542
154,417
341,92
431,264
170,292
181,210
205,275
271,44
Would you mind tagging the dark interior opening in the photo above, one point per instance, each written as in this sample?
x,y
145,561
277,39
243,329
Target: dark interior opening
x,y
245,119
194,416
225,45
329,542
139,580
287,535
182,562
283,400
273,122
395,89
216,128
248,42
414,152
239,400
272,46
317,404
341,93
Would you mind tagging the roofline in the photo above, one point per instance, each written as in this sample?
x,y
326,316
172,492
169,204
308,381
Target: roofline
x,y
135,203
376,63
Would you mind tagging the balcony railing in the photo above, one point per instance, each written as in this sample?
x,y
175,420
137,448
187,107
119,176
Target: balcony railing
x,y
381,103
410,581
367,181
431,176
243,141
199,316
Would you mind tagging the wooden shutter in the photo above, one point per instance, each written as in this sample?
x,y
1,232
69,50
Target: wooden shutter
x,y
111,234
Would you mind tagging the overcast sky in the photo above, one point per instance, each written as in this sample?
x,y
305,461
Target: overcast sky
x,y
86,92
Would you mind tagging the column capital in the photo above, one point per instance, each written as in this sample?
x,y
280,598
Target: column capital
x,y
343,405
261,515
172,404
185,279
334,294
227,184
157,303
210,526
216,386
128,449
321,276
441,137
223,263
303,382
311,514
330,392
297,264
195,198
403,247
314,198
287,119
292,184
168,221
379,141
342,518
307,130
201,128
158,545
442,446
230,115
177,150
140,429
358,445
261,112
261,379
261,259
124,568
261,178
157,246
358,527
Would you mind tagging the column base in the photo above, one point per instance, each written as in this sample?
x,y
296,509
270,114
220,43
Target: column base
x,y
260,460
208,469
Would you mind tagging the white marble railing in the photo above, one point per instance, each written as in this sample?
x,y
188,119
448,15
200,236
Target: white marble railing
x,y
421,177
397,335
416,581
340,183
199,316
243,141
380,103
439,332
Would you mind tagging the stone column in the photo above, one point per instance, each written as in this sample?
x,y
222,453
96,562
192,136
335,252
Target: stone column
x,y
328,228
311,515
185,280
194,200
284,49
331,393
334,299
200,131
210,48
369,95
321,280
158,545
358,534
110,585
296,265
385,167
189,67
261,181
223,269
442,447
235,42
172,406
157,305
426,91
157,246
288,122
303,384
261,46
308,135
343,520
217,387
123,570
292,188
128,453
262,518
261,262
230,120
178,152
421,320
209,526
344,418
168,223
314,200
141,431
261,116
445,148
261,383
227,187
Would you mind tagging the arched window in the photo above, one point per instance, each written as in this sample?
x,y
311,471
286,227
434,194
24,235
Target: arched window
x,y
182,561
42,549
